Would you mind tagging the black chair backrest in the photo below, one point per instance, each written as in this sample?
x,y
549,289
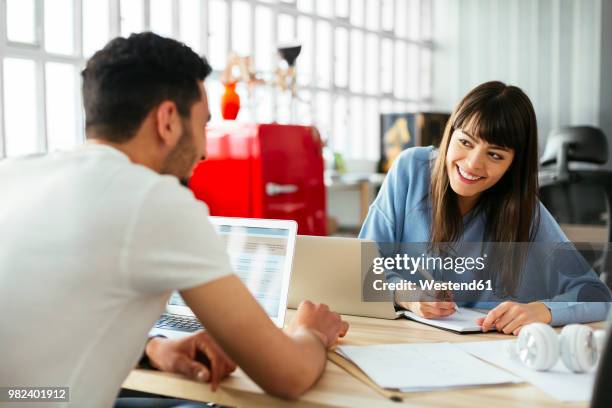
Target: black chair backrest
x,y
582,143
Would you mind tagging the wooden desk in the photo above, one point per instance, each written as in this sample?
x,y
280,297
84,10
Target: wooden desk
x,y
337,388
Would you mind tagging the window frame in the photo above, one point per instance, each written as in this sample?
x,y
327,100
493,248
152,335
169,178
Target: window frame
x,y
37,53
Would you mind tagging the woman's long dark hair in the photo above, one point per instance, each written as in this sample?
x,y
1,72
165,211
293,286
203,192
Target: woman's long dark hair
x,y
501,115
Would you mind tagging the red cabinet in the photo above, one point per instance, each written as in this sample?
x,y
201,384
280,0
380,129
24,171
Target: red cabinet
x,y
264,171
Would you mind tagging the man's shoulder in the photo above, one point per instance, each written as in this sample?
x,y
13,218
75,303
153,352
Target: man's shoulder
x,y
167,201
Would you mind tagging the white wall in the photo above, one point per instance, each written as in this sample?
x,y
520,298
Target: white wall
x,y
552,49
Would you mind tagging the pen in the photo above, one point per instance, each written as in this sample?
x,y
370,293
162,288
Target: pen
x,y
428,276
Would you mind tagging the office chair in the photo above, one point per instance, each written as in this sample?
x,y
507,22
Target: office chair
x,y
584,145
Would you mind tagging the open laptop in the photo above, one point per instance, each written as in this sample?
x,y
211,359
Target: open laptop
x,y
329,270
261,254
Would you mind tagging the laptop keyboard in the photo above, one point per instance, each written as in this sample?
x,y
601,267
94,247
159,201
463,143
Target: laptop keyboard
x,y
179,323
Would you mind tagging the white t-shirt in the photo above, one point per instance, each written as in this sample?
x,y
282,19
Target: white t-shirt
x,y
91,247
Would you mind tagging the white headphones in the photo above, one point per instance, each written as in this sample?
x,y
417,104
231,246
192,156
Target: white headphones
x,y
538,347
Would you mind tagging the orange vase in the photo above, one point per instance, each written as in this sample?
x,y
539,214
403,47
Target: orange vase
x,y
230,102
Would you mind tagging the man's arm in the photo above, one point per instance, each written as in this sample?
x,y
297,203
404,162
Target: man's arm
x,y
283,363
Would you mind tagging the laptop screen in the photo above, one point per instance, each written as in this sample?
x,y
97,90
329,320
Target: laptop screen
x,y
258,257
261,254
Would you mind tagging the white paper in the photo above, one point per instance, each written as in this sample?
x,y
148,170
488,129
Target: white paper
x,y
560,383
416,367
462,321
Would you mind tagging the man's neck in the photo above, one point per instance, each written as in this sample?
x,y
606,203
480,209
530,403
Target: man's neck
x,y
135,151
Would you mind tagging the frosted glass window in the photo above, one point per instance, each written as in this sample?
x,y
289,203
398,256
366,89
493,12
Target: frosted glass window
x,y
217,33
59,26
214,91
341,125
21,21
241,28
426,68
342,8
387,14
401,73
21,121
245,114
132,17
95,26
264,104
304,109
354,54
323,110
286,29
161,17
372,14
401,18
323,53
413,71
357,9
265,51
399,107
386,66
189,23
356,135
306,6
325,8
61,106
305,60
372,129
283,107
386,106
372,61
357,61
414,17
426,20
341,58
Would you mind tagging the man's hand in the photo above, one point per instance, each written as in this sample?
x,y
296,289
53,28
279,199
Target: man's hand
x,y
510,317
318,319
188,356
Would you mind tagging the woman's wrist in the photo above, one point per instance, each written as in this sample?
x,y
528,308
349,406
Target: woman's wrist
x,y
544,313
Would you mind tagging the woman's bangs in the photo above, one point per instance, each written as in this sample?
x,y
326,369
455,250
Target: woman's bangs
x,y
491,124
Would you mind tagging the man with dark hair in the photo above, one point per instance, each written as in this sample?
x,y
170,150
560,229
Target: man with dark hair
x,y
95,239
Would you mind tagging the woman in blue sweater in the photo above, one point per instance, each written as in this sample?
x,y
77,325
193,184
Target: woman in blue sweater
x,y
480,186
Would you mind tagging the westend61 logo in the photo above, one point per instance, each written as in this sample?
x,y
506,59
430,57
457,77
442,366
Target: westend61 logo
x,y
411,264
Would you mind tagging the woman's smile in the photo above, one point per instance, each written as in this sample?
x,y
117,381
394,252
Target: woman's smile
x,y
467,176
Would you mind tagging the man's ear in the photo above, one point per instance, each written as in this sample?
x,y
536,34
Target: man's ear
x,y
169,125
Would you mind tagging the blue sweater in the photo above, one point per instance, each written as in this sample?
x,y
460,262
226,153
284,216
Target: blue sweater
x,y
402,213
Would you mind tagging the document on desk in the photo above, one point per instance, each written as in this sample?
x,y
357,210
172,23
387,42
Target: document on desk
x,y
420,367
462,321
560,383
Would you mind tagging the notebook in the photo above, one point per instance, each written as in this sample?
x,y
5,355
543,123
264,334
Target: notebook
x,y
462,321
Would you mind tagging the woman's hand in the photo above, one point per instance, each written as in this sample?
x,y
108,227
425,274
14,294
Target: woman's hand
x,y
510,317
430,310
198,357
431,304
